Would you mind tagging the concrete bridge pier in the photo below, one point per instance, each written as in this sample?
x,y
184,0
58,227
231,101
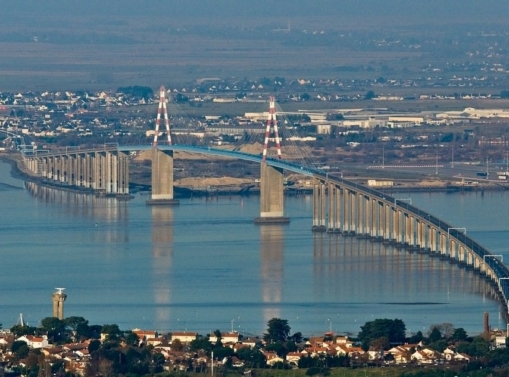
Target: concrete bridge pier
x,y
408,229
162,178
387,220
333,224
123,173
80,167
361,220
271,196
337,209
72,168
346,212
44,167
90,170
64,169
433,239
319,207
374,220
396,226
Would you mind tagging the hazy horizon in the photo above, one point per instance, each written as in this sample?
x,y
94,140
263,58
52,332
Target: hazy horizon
x,y
434,10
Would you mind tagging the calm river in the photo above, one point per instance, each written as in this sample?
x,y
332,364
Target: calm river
x,y
204,265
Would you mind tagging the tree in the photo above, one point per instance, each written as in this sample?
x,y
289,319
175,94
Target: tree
x,y
177,345
459,334
369,95
19,330
200,343
305,97
416,338
112,331
74,322
94,345
435,335
277,330
440,345
131,338
392,329
20,349
297,337
379,344
54,327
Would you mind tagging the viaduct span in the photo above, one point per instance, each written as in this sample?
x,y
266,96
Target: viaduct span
x,y
339,205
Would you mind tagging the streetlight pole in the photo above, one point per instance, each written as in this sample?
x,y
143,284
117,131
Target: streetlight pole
x,y
500,287
409,200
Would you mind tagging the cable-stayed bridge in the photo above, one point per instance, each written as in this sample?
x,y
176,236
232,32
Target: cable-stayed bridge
x,y
340,206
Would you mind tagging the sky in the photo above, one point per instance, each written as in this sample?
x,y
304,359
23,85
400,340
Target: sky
x,y
231,9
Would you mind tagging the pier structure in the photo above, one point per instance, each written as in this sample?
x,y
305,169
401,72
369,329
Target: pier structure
x,y
103,170
271,177
162,160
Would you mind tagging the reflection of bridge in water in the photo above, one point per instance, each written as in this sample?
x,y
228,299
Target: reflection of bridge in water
x,y
349,271
340,206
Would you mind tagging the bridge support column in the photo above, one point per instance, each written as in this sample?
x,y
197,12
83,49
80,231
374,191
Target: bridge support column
x,y
376,219
433,239
461,255
396,226
44,167
406,224
162,178
441,242
452,249
100,171
387,221
123,173
318,207
73,167
89,174
337,210
80,179
52,168
346,212
333,225
368,218
64,169
359,227
271,196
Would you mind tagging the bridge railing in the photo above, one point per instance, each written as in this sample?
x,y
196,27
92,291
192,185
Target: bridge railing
x,y
106,147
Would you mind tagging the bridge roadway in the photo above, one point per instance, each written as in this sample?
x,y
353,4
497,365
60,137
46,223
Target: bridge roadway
x,y
365,212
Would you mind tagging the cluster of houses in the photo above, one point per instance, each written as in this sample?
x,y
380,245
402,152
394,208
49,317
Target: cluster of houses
x,y
174,348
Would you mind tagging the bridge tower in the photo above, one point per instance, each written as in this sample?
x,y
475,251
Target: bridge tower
x,y
271,177
162,160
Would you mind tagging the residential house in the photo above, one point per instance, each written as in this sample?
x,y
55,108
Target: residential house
x,y
226,337
34,341
272,358
293,358
184,337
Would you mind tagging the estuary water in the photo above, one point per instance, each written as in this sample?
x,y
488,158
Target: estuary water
x,y
204,265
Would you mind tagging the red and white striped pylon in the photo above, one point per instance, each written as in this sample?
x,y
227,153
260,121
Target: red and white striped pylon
x,y
162,109
271,121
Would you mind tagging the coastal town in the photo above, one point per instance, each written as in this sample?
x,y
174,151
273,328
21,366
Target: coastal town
x,y
72,347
